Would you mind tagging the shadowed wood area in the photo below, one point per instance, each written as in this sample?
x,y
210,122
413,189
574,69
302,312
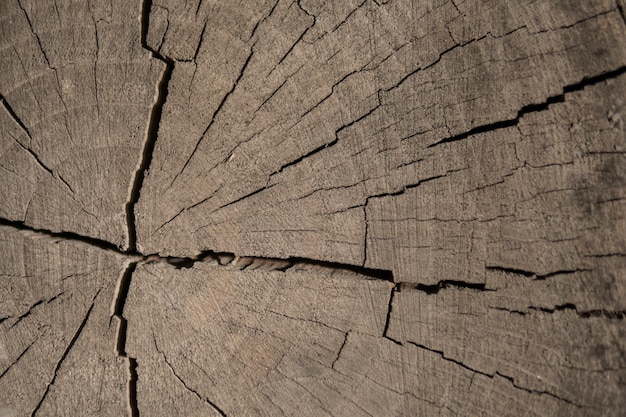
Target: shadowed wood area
x,y
312,208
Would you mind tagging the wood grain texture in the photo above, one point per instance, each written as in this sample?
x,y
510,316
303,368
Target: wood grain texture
x,y
57,342
214,335
362,109
312,208
76,93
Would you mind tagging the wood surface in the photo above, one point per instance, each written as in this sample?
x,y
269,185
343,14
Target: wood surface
x,y
312,208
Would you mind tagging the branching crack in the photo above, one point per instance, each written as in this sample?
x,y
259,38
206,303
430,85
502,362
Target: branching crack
x,y
222,258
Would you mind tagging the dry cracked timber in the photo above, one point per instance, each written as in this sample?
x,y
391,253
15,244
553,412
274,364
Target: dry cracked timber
x,y
335,208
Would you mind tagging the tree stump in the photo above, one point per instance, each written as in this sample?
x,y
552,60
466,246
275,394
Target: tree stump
x,y
313,208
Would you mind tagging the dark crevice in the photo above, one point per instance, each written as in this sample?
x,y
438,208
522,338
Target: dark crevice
x,y
26,314
511,271
120,343
567,306
326,145
255,192
20,356
263,19
300,159
435,288
518,312
270,264
435,62
27,148
118,307
532,108
152,130
14,116
32,29
379,274
561,272
609,314
222,258
215,113
388,318
301,37
531,274
65,353
98,243
132,387
344,20
406,187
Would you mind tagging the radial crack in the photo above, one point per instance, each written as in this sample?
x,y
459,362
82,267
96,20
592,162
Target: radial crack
x,y
121,293
65,353
187,387
152,130
38,160
508,378
215,113
533,108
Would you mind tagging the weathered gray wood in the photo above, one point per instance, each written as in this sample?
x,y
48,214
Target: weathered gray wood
x,y
338,208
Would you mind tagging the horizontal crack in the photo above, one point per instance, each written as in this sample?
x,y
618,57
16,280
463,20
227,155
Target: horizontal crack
x,y
222,258
609,314
98,243
531,274
435,288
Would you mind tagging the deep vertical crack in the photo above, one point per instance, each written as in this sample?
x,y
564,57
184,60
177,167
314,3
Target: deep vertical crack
x,y
132,387
121,294
152,131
